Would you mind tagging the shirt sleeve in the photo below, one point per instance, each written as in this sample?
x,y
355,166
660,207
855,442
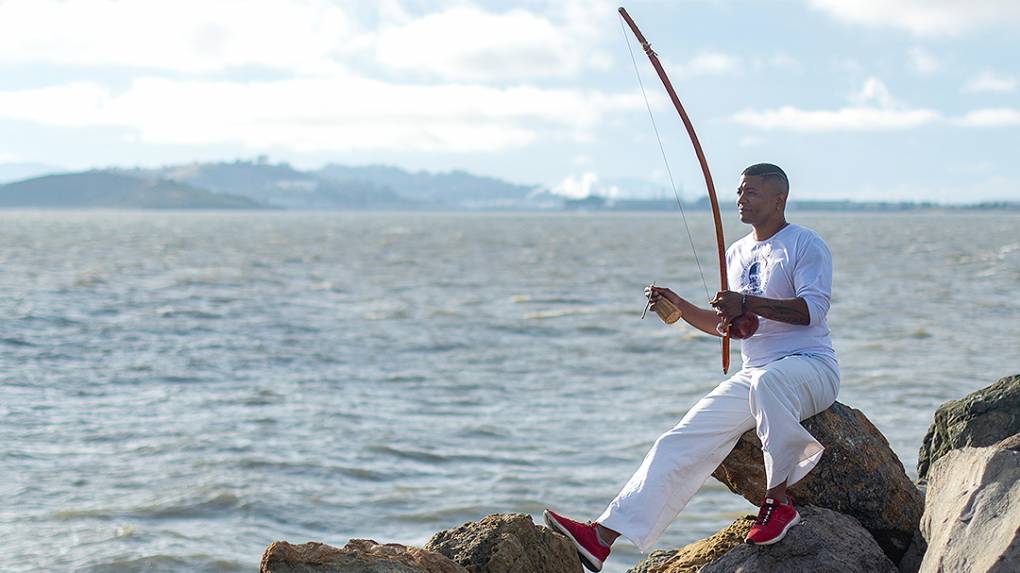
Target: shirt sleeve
x,y
812,278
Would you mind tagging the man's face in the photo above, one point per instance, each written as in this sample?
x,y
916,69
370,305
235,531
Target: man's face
x,y
758,199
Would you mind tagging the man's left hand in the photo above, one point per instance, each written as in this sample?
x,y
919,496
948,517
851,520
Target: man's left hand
x,y
728,305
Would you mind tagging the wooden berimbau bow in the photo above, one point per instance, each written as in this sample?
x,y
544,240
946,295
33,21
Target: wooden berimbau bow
x,y
720,242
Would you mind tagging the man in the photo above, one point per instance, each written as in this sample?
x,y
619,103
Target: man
x,y
783,275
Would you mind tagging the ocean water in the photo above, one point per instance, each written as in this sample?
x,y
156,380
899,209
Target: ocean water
x,y
178,390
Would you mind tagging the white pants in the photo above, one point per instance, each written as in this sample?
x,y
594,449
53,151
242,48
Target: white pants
x,y
773,399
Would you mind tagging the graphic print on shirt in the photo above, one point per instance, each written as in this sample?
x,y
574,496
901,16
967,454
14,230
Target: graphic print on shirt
x,y
755,276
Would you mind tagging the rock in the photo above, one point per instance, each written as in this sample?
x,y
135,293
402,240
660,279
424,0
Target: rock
x,y
690,558
978,419
972,510
911,560
859,475
823,541
358,556
655,561
506,543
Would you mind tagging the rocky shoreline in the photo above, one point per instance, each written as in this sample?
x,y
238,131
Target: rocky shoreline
x,y
860,510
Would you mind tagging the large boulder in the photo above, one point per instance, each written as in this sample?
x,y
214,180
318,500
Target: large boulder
x,y
911,560
506,543
972,510
824,541
358,556
691,558
655,562
859,475
978,419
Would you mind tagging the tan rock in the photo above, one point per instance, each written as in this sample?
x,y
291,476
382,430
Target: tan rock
x,y
858,475
691,558
655,562
506,543
972,511
358,556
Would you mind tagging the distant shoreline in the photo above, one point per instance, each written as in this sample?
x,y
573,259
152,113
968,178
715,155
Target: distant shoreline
x,y
941,209
260,185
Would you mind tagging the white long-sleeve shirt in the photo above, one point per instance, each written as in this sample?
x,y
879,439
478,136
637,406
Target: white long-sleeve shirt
x,y
795,262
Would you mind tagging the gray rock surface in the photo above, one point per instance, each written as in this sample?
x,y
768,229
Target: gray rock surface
x,y
911,560
972,511
825,541
506,543
858,475
979,419
358,556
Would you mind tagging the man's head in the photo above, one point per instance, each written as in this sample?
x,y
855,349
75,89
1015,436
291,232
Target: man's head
x,y
762,193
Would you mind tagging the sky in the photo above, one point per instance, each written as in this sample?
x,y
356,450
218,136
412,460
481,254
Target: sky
x,y
856,99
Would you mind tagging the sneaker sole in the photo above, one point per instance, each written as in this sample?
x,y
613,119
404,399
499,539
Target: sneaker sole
x,y
782,534
587,559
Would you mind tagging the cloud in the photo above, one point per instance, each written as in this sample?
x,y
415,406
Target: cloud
x,y
467,43
873,109
340,113
994,117
844,119
309,37
989,81
874,92
924,17
576,186
191,36
781,61
586,185
708,63
922,62
715,63
450,60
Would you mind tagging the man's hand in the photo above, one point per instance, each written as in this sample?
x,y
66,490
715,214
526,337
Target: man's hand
x,y
654,294
703,319
728,305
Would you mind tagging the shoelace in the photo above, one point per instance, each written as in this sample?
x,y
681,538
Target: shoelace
x,y
765,513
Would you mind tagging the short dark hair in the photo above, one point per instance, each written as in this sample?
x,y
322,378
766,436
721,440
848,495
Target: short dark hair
x,y
768,171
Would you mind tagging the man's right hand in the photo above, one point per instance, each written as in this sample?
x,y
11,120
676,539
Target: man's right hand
x,y
654,294
703,319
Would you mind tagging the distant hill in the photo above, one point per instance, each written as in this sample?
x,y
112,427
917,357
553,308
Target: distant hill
x,y
457,189
280,185
105,189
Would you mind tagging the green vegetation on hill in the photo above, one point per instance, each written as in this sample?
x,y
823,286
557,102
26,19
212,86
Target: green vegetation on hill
x,y
104,189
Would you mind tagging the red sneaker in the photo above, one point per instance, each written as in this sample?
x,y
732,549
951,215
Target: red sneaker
x,y
774,520
584,536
